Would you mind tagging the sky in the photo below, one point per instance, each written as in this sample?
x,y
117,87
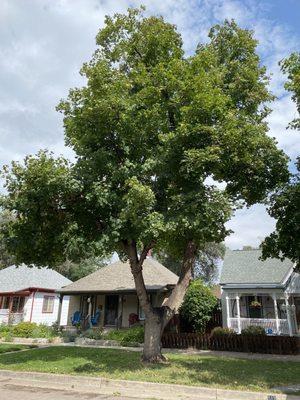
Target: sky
x,y
43,44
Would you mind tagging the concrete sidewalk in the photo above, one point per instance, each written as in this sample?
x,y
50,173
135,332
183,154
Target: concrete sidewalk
x,y
131,389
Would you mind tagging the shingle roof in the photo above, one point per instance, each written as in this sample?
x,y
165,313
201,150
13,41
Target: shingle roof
x,y
117,277
245,267
14,279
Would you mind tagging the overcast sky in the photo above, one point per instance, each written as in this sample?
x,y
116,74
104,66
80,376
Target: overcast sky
x,y
43,44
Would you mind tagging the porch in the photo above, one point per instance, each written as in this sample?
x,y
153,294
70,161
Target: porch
x,y
12,309
277,313
104,310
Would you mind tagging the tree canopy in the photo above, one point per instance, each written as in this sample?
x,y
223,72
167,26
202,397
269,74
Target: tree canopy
x,y
285,203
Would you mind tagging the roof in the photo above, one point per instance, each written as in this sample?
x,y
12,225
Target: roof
x,y
15,279
245,267
117,277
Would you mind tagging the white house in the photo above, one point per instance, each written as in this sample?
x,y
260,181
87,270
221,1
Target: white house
x,y
264,293
29,294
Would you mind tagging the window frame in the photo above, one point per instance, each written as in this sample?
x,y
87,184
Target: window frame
x,y
46,301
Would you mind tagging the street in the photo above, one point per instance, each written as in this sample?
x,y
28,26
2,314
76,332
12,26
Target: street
x,y
17,392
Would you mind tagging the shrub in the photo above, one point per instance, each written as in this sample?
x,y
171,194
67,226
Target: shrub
x,y
43,331
96,334
219,331
24,329
254,330
4,330
198,305
126,336
7,337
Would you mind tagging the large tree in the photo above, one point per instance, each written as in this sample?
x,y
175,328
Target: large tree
x,y
151,129
285,203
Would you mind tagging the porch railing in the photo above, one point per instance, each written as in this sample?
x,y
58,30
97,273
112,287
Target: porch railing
x,y
266,323
10,318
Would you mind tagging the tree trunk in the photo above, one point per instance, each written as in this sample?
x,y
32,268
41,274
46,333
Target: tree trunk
x,y
157,318
152,340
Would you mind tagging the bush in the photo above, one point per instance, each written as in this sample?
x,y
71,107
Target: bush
x,y
4,330
7,337
126,336
32,330
254,330
24,329
198,305
219,331
96,334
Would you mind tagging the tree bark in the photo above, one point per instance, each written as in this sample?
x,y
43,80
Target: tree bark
x,y
157,318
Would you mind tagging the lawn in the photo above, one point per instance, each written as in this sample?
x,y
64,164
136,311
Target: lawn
x,y
182,369
5,347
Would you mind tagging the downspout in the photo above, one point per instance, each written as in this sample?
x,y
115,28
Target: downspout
x,y
33,296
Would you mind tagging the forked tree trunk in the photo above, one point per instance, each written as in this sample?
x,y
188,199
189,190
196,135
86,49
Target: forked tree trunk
x,y
157,318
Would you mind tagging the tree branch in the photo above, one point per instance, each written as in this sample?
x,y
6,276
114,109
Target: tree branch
x,y
174,301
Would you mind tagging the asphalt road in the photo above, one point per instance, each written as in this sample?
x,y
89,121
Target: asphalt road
x,y
16,392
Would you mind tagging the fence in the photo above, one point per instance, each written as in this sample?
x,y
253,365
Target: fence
x,y
242,343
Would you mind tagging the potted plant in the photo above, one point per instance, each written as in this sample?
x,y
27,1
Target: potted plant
x,y
255,304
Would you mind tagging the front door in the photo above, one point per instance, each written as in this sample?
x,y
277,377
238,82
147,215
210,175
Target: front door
x,y
111,309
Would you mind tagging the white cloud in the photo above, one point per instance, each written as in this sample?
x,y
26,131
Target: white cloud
x,y
43,44
250,227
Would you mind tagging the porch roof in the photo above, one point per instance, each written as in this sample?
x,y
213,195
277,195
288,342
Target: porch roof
x,y
117,277
244,267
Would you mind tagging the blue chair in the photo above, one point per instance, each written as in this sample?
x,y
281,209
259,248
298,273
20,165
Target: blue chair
x,y
76,319
95,318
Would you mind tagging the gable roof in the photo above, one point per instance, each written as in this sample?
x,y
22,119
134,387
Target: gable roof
x,y
15,279
117,277
245,267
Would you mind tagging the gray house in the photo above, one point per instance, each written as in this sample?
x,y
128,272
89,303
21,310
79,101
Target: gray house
x,y
110,293
264,293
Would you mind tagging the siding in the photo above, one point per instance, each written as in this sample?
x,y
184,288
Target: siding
x,y
37,315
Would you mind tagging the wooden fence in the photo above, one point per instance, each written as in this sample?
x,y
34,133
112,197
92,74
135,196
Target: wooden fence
x,y
242,343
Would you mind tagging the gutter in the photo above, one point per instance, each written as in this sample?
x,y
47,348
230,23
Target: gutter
x,y
252,286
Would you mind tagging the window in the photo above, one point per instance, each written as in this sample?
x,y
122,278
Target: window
x,y
17,304
48,304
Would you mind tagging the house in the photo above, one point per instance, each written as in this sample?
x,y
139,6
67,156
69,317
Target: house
x,y
110,293
263,293
28,294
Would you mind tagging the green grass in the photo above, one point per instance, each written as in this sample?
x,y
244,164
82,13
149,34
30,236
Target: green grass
x,y
181,369
5,348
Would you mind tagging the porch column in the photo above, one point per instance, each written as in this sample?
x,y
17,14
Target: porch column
x,y
288,314
61,297
238,312
228,312
276,313
90,311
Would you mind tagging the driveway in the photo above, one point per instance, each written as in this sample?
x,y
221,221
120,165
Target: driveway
x,y
17,392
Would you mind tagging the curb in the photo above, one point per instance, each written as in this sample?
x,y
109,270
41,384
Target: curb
x,y
140,390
